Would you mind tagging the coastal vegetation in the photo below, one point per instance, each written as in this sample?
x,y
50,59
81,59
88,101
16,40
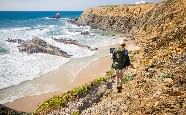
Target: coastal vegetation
x,y
79,92
158,84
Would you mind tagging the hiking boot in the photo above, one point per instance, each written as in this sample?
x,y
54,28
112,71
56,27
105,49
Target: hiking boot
x,y
119,89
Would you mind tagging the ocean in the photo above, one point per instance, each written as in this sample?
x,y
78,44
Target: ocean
x,y
18,67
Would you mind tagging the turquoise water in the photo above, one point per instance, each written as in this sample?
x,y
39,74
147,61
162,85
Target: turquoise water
x,y
18,67
3,50
32,18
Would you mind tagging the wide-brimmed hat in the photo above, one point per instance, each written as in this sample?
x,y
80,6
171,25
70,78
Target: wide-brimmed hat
x,y
123,44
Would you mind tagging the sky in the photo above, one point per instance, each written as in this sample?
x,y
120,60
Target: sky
x,y
59,5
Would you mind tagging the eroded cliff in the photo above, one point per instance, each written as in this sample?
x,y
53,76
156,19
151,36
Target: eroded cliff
x,y
160,82
118,18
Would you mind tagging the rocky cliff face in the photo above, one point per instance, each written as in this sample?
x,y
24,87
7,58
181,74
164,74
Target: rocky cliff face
x,y
159,87
118,18
159,28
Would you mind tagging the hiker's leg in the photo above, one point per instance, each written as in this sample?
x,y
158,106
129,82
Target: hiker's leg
x,y
120,78
118,81
117,78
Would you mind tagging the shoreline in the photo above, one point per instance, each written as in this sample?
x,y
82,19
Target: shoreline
x,y
23,104
63,78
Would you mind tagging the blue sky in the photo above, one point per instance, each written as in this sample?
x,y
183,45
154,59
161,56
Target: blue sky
x,y
60,5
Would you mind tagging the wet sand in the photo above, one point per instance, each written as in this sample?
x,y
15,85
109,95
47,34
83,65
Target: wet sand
x,y
92,71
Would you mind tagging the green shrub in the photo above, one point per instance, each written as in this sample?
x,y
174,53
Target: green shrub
x,y
166,74
58,101
75,113
127,78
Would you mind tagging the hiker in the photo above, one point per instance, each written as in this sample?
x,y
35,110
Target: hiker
x,y
121,60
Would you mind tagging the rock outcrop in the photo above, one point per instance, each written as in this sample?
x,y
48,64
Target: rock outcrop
x,y
37,45
75,22
8,111
19,41
118,18
74,42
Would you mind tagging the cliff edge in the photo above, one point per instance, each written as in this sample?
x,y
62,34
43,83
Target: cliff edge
x,y
159,87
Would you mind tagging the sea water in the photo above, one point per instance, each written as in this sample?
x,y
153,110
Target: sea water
x,y
17,67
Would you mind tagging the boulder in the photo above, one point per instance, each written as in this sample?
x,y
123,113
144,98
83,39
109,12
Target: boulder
x,y
15,40
74,42
37,45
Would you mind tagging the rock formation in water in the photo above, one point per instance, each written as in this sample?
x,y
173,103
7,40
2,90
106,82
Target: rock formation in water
x,y
74,42
37,45
19,41
75,22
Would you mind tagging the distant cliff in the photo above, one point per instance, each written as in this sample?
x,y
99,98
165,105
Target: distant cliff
x,y
118,18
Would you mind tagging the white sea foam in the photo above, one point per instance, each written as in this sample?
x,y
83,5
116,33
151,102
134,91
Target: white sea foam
x,y
16,67
13,93
19,67
48,18
76,51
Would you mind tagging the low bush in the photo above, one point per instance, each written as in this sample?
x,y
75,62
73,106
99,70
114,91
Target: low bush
x,y
62,100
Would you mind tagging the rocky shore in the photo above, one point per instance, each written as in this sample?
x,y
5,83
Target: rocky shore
x,y
37,45
74,42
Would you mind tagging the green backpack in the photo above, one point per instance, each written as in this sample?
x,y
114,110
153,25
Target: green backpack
x,y
120,59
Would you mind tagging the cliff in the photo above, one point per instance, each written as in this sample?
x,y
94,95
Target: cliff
x,y
118,18
159,83
159,28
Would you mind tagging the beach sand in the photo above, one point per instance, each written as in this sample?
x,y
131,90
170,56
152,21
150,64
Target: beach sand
x,y
66,79
95,69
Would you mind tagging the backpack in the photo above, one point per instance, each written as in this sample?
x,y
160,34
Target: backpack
x,y
120,59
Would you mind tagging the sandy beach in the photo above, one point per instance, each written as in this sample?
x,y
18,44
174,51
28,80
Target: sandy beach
x,y
92,71
64,79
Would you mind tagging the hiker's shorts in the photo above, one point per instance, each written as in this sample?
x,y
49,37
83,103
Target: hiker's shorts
x,y
119,77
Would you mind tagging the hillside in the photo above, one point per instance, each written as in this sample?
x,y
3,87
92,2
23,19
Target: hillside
x,y
159,83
